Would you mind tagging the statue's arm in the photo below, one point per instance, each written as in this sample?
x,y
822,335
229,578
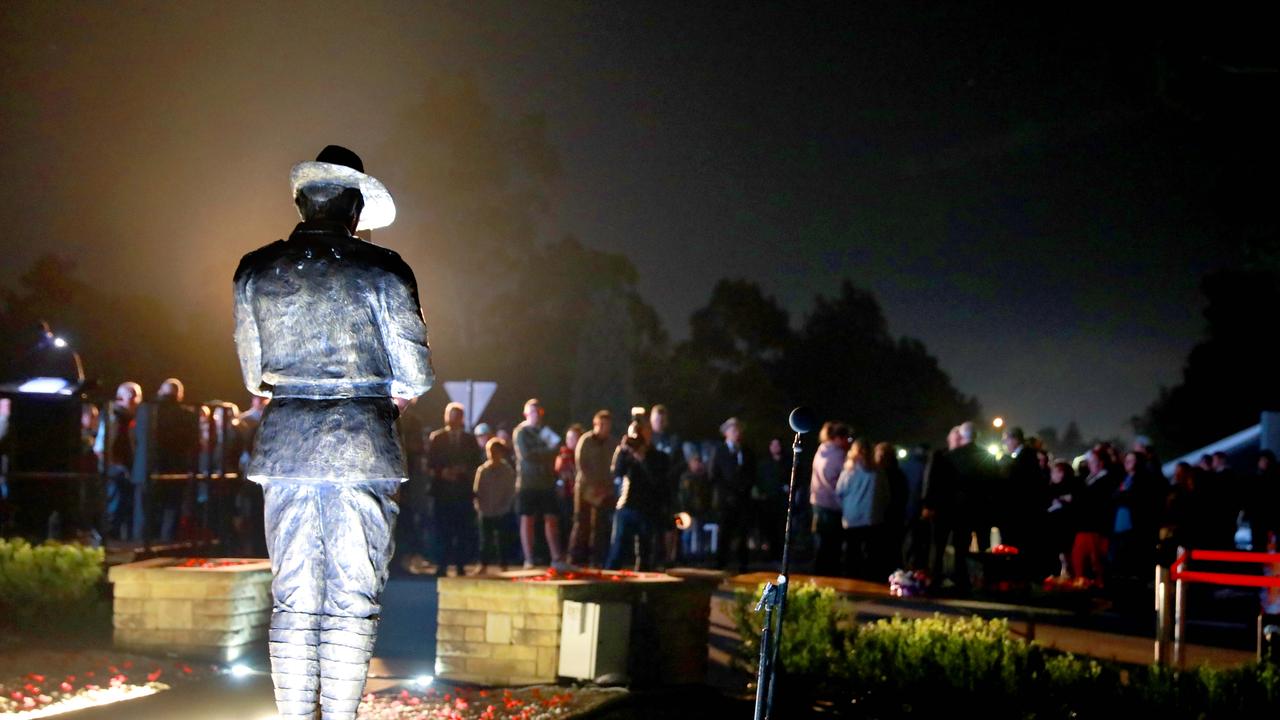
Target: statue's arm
x,y
248,345
404,335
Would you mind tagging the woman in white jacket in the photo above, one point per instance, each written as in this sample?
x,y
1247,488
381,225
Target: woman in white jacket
x,y
864,502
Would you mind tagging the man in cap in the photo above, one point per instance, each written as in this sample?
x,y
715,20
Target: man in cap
x,y
733,471
329,327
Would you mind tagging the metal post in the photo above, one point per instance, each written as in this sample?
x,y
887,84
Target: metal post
x,y
1180,617
764,672
471,418
1261,636
783,577
1164,616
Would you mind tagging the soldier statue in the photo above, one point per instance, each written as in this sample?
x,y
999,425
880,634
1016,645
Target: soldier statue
x,y
329,327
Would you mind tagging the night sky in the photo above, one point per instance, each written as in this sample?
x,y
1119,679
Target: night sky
x,y
1021,192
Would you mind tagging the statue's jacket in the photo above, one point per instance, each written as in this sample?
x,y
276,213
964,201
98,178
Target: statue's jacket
x,y
330,328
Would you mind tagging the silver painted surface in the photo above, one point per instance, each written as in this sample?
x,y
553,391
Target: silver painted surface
x,y
330,328
324,317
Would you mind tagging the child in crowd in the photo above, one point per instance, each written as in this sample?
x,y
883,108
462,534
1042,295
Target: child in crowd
x,y
495,491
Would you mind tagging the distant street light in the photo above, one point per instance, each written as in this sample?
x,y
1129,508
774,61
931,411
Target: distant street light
x,y
997,423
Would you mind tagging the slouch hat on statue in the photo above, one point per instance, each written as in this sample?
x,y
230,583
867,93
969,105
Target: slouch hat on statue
x,y
336,165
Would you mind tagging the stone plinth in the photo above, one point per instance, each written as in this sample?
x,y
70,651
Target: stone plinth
x,y
207,608
505,630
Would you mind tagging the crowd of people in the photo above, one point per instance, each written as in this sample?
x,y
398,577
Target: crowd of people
x,y
1104,518
180,479
644,499
639,500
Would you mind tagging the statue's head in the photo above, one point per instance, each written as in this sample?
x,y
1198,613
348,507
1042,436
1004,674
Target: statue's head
x,y
331,203
335,188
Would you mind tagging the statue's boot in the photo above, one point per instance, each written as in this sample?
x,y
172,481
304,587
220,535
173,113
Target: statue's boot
x,y
346,645
294,644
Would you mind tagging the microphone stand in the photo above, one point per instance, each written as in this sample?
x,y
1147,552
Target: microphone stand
x,y
774,597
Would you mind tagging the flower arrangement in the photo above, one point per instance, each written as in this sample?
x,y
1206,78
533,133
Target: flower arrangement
x,y
211,563
552,574
534,703
906,583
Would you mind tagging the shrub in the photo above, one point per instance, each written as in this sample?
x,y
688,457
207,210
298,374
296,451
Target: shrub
x,y
35,578
898,667
814,634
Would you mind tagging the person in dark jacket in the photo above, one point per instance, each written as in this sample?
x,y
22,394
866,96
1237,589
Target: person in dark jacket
x,y
666,543
1136,503
694,498
1263,507
116,443
177,438
887,545
769,499
1181,522
1095,519
940,506
453,456
733,471
974,497
643,470
1019,500
1059,528
329,327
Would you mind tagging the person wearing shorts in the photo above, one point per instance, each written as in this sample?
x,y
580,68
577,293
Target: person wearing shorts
x,y
536,483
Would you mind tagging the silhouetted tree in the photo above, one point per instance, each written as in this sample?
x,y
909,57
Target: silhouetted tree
x,y
731,365
1229,378
848,366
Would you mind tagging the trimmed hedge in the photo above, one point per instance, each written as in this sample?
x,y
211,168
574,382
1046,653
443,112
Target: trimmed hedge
x,y
37,578
900,667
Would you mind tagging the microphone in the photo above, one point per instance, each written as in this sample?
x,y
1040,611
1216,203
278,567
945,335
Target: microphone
x,y
802,420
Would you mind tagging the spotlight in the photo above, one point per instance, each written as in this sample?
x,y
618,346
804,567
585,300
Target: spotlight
x,y
423,681
997,423
902,453
241,670
59,342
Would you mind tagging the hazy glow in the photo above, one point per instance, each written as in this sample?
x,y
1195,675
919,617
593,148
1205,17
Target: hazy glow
x,y
997,423
423,680
994,449
241,670
902,453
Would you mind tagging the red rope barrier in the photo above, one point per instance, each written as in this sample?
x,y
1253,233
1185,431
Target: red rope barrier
x,y
1235,556
1228,579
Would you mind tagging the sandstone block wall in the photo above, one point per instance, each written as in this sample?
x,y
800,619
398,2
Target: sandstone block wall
x,y
497,631
215,613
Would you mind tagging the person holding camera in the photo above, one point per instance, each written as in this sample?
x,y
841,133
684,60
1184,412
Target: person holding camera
x,y
643,470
